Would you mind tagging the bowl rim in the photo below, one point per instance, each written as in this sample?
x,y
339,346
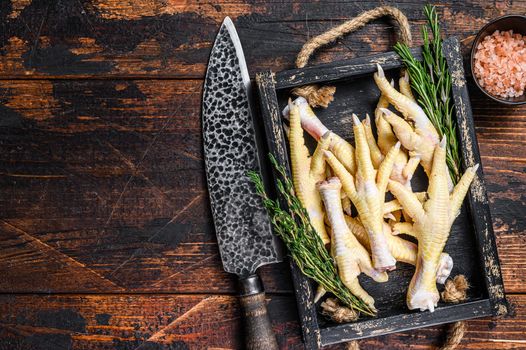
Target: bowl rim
x,y
472,58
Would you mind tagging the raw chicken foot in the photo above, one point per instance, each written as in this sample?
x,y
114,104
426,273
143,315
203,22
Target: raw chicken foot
x,y
432,224
402,250
350,256
367,192
314,127
307,171
420,140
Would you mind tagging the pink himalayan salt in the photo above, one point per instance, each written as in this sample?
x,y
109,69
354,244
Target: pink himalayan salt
x,y
500,64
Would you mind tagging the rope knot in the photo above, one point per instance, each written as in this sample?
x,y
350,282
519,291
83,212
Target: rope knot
x,y
315,95
455,290
338,313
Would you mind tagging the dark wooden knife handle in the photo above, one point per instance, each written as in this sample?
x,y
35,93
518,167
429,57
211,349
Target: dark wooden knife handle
x,y
258,330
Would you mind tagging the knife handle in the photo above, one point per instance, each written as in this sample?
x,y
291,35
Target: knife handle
x,y
258,330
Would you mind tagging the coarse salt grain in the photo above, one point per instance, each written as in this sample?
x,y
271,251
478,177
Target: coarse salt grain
x,y
500,64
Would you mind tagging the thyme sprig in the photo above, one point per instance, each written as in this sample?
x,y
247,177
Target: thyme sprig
x,y
306,248
431,81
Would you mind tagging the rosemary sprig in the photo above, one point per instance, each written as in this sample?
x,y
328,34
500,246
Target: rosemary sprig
x,y
305,247
431,81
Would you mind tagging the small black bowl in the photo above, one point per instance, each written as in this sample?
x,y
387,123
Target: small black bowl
x,y
517,23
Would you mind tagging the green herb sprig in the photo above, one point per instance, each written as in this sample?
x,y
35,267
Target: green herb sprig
x,y
305,246
431,81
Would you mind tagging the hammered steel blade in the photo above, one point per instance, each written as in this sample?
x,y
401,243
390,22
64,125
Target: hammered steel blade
x,y
243,228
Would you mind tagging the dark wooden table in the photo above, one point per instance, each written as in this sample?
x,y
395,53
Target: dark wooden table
x,y
106,238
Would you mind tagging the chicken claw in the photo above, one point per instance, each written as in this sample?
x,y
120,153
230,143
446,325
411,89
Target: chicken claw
x,y
413,140
407,106
402,250
405,86
307,171
432,224
367,193
376,154
314,127
386,137
350,256
403,167
420,140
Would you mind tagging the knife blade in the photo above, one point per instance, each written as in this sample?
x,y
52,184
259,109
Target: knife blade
x,y
243,228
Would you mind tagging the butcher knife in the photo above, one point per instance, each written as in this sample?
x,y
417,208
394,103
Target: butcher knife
x,y
243,229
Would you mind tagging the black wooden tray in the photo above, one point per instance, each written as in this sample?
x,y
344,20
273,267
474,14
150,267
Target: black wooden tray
x,y
471,243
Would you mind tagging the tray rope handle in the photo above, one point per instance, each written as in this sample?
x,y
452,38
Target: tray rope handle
x,y
323,95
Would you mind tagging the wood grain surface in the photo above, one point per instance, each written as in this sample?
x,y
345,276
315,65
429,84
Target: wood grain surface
x,y
175,321
106,237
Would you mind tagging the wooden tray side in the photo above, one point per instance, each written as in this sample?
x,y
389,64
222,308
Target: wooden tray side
x,y
271,116
477,196
340,69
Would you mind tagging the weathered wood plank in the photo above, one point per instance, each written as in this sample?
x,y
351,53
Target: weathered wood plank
x,y
119,322
102,188
105,179
90,38
73,152
501,133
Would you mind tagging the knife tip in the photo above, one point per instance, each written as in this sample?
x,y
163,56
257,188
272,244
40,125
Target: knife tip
x,y
227,21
